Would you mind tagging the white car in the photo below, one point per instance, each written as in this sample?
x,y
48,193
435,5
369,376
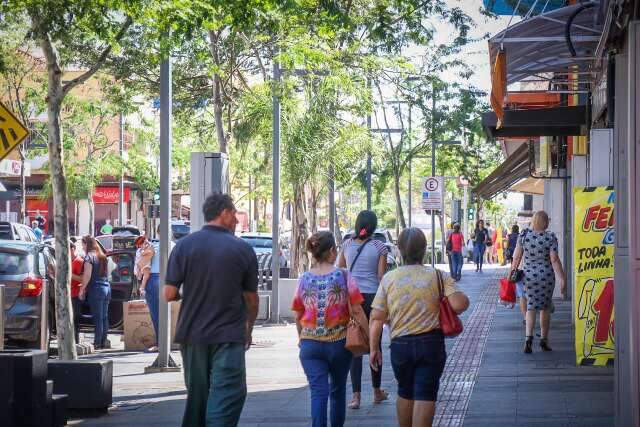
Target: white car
x,y
262,244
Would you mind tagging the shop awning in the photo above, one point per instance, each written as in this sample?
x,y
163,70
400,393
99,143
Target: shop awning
x,y
513,169
508,7
529,186
537,48
558,121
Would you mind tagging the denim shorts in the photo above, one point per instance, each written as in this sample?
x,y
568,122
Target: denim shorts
x,y
418,362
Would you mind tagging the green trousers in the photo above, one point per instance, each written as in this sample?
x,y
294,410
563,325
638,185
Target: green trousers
x,y
216,381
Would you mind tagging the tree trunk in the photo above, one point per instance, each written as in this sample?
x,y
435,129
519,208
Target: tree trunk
x,y
313,212
92,210
400,212
55,96
217,92
23,185
299,233
76,217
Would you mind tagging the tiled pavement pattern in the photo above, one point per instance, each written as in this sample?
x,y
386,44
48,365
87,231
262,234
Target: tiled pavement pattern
x,y
510,388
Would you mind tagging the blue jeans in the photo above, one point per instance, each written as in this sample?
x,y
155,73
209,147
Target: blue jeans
x,y
322,361
456,261
215,376
99,296
152,297
478,253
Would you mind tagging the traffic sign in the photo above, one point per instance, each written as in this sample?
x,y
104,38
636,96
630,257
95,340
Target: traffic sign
x,y
12,132
432,192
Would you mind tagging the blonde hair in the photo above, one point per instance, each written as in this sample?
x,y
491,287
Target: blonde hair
x,y
540,220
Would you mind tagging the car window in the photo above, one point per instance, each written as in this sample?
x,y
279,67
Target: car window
x,y
380,237
23,234
180,230
14,263
120,268
5,232
259,242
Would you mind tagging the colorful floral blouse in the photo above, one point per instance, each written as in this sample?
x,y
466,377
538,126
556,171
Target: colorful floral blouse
x,y
321,303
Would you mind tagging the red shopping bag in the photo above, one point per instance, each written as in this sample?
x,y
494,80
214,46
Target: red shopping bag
x,y
507,291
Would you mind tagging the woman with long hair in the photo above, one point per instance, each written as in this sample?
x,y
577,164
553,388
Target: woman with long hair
x,y
366,259
96,288
538,249
321,303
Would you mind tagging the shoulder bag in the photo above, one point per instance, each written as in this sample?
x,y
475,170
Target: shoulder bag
x,y
450,323
516,275
358,327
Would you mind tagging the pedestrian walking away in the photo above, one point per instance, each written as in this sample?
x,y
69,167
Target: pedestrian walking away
x,y
480,236
538,249
322,316
512,242
448,249
215,274
409,299
96,289
366,259
456,244
77,265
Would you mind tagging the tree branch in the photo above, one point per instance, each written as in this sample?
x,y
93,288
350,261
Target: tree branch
x,y
100,62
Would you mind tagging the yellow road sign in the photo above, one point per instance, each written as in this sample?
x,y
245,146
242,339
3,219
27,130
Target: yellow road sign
x,y
12,132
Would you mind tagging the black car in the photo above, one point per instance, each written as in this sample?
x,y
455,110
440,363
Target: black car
x,y
25,272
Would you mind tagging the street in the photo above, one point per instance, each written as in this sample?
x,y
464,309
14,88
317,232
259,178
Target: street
x,y
488,381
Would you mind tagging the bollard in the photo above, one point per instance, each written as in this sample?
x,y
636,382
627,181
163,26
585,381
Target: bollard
x,y
44,319
1,317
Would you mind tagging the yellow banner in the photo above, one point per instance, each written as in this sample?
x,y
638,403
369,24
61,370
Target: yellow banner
x,y
593,269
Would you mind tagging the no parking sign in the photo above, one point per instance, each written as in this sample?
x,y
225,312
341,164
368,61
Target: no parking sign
x,y
432,192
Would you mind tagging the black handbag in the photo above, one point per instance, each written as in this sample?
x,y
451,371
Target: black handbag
x,y
516,275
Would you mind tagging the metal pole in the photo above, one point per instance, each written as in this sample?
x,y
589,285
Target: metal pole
x,y
275,266
369,166
121,213
1,317
410,191
465,219
433,174
44,316
164,362
332,201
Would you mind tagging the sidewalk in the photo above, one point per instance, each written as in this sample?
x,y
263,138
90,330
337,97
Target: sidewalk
x,y
487,381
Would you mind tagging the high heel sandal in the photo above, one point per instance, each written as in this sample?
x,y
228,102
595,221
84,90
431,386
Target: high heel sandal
x,y
355,403
527,345
544,345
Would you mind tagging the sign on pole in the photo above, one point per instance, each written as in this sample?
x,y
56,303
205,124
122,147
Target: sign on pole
x,y
12,132
432,193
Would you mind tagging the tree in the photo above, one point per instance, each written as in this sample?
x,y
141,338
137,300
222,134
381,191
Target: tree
x,y
84,33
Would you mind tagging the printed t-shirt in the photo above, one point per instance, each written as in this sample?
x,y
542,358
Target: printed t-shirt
x,y
457,241
409,296
321,301
77,266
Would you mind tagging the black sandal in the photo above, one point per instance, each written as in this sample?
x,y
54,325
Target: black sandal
x,y
544,345
527,345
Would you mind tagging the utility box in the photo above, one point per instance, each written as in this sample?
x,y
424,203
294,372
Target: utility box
x,y
209,174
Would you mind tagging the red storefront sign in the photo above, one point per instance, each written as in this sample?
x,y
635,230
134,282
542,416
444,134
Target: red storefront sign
x,y
110,195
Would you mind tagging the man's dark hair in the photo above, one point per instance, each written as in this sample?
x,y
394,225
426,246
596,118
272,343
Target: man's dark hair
x,y
215,204
366,224
413,245
515,229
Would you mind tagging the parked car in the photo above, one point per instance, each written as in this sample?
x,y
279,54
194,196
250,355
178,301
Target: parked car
x,y
16,231
262,244
179,229
393,256
26,269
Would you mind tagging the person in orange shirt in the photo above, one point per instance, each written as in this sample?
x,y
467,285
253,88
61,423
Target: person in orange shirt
x,y
77,267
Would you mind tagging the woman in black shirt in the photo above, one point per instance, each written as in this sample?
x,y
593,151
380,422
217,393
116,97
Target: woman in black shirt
x,y
480,236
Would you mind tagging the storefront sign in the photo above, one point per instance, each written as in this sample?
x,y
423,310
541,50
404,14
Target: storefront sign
x,y
593,273
432,192
110,195
12,167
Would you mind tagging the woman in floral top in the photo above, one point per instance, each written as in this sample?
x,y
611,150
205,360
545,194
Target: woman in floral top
x,y
322,317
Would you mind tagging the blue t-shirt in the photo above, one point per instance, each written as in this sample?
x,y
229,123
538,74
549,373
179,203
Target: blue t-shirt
x,y
38,233
155,261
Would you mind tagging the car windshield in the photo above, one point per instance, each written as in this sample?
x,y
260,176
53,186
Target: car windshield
x,y
180,229
13,263
259,242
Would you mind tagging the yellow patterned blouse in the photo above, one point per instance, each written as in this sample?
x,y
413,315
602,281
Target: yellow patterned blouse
x,y
409,296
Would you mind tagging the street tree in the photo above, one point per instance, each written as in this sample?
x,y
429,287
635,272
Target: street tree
x,y
86,34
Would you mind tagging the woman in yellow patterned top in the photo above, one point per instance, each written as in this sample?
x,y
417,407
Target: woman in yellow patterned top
x,y
408,299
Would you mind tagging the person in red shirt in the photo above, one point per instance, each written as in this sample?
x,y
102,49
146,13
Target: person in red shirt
x,y
457,243
77,267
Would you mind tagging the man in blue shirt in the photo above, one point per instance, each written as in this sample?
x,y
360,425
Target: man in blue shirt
x,y
218,275
35,226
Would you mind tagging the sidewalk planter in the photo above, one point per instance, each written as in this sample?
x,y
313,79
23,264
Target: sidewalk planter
x,y
87,383
23,388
